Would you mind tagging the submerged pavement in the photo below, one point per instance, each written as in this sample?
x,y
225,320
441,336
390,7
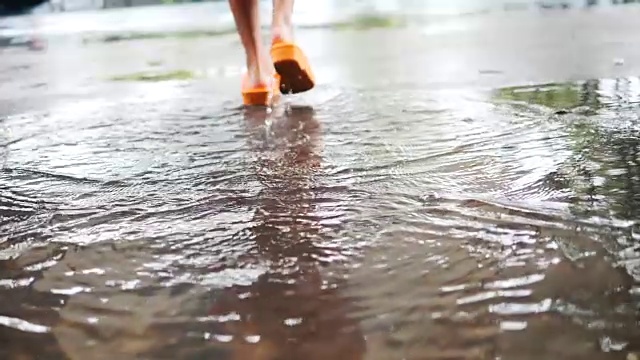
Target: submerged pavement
x,y
459,188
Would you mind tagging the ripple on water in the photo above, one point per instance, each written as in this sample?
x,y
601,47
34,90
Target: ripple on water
x,y
379,224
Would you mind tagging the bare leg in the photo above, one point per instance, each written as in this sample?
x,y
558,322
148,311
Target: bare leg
x,y
281,25
247,18
290,62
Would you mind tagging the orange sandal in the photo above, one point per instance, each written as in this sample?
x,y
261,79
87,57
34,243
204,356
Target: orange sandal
x,y
292,66
260,95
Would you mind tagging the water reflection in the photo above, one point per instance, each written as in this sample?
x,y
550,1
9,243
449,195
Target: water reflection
x,y
601,124
600,119
430,222
294,310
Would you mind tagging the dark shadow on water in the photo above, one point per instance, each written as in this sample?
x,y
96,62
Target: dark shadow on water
x,y
294,310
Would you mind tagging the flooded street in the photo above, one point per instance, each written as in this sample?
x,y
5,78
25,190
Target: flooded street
x,y
467,188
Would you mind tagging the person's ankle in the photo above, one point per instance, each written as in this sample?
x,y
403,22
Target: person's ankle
x,y
281,31
260,72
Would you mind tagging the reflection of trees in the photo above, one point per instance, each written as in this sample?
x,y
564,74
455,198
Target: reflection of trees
x,y
607,172
604,171
554,96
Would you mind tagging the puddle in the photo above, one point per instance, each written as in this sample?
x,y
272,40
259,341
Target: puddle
x,y
156,76
554,96
156,35
374,218
234,233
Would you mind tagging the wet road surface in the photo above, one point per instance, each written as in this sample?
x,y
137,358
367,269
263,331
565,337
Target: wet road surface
x,y
470,195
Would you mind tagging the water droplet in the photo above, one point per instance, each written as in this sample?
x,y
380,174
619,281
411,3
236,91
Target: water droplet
x,y
293,321
253,339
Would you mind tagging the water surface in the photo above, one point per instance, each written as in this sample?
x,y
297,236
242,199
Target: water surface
x,y
451,225
424,214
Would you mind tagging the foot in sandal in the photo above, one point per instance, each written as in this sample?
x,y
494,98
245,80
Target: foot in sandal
x,y
260,84
290,61
293,71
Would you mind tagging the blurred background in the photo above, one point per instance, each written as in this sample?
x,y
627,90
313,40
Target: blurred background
x,y
56,17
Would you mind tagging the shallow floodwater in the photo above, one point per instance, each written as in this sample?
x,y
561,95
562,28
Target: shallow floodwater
x,y
377,224
424,214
